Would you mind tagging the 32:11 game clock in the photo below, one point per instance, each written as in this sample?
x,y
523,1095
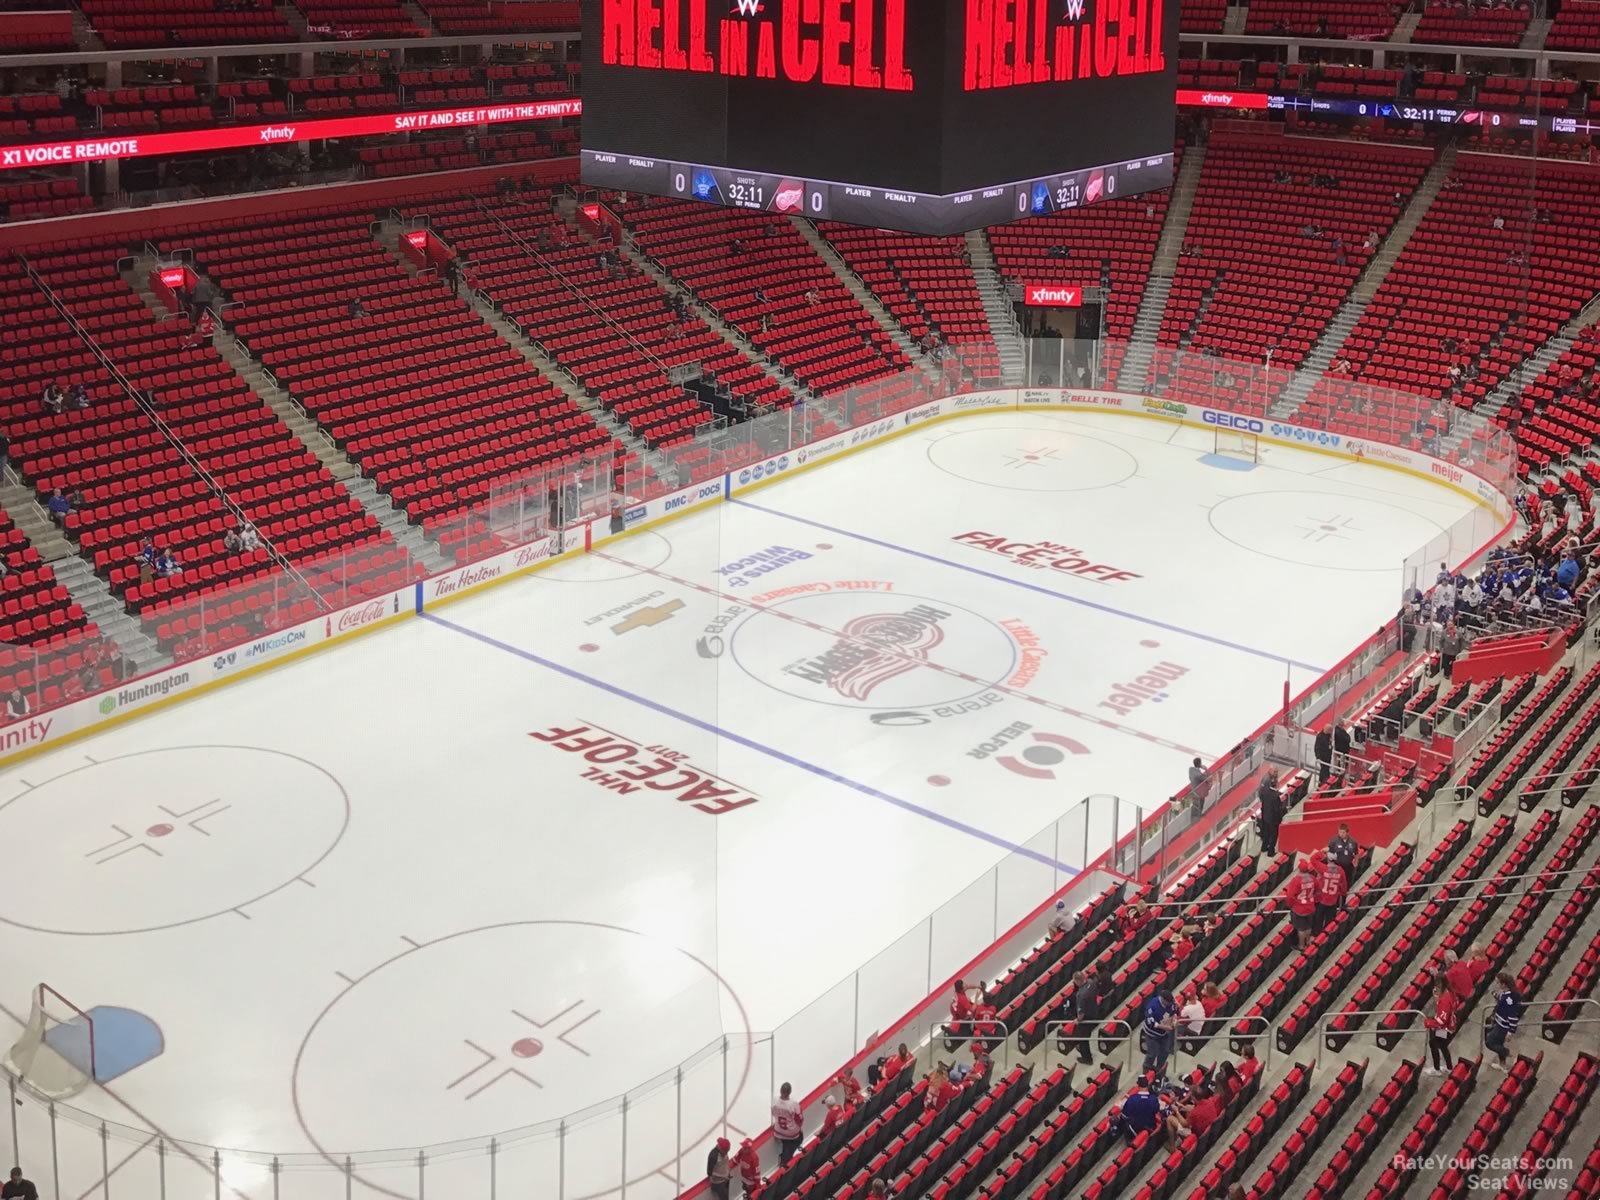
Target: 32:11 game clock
x,y
747,189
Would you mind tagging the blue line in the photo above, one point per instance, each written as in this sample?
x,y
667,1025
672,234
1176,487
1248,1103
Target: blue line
x,y
811,768
1032,587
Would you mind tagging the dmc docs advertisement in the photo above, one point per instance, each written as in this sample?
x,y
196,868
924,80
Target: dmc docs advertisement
x,y
48,727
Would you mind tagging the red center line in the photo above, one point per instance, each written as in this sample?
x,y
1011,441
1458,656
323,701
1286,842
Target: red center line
x,y
794,619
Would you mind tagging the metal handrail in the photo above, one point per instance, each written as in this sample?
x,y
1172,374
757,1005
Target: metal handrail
x,y
1052,1038
149,411
937,1028
1328,1033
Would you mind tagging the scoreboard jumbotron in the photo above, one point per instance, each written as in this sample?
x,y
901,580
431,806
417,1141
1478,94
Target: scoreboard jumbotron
x,y
932,116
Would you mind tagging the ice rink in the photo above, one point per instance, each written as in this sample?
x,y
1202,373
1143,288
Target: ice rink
x,y
493,866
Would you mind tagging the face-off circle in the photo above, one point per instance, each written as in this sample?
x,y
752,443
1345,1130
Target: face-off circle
x,y
873,649
1032,458
491,1030
177,835
644,551
1322,529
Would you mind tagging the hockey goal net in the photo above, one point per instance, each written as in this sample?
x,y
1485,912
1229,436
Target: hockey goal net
x,y
1238,443
55,1056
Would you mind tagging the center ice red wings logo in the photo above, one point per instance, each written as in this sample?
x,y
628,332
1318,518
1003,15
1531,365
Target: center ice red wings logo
x,y
906,643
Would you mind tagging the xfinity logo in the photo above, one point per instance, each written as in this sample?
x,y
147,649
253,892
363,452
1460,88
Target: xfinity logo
x,y
1233,421
1220,99
277,133
1054,297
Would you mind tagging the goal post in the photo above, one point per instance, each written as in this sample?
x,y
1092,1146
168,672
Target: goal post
x,y
55,1058
1237,443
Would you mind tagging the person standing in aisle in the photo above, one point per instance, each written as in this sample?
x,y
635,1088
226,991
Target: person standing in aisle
x,y
1271,813
1331,887
18,1188
719,1170
1160,1031
1344,850
1199,787
1442,1027
788,1125
1507,1016
1341,748
1322,748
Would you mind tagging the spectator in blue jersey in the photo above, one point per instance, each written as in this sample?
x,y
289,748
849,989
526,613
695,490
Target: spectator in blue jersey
x,y
1141,1112
1567,573
1507,1016
1160,1029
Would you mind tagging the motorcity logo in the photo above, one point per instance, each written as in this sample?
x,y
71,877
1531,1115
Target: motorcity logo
x,y
282,641
926,413
1165,408
769,469
744,571
122,697
706,492
710,643
873,649
911,718
1295,433
1234,421
627,766
1150,686
980,400
861,45
1045,556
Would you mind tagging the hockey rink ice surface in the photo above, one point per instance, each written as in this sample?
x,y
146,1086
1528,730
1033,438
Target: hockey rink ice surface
x,y
491,867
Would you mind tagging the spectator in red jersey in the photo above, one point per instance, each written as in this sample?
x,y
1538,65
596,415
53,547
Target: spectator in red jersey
x,y
1331,887
1249,1066
788,1125
986,1019
939,1092
833,1113
850,1086
1180,946
961,1010
748,1163
1212,998
1132,918
1442,1027
1201,1115
1301,894
895,1063
1228,1080
977,1075
1463,974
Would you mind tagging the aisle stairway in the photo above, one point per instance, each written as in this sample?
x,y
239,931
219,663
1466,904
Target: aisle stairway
x,y
1135,372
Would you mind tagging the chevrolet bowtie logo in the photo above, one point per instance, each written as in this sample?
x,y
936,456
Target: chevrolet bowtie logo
x,y
643,618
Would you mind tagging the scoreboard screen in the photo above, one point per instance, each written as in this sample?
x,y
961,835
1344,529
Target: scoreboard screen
x,y
934,116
